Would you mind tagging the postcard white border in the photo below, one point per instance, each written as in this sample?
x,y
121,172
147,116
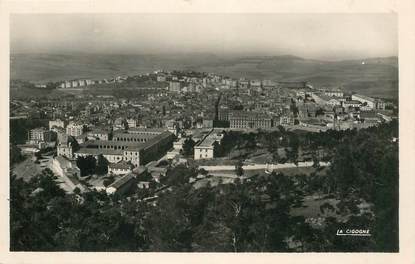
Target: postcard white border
x,y
405,10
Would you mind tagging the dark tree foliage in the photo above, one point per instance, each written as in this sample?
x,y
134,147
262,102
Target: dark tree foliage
x,y
125,124
366,166
178,176
43,218
15,154
221,123
234,217
87,165
101,165
319,112
292,150
239,171
188,146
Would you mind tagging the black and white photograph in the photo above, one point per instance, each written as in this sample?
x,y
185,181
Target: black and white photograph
x,y
204,132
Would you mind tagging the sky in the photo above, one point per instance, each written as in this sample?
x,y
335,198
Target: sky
x,y
316,36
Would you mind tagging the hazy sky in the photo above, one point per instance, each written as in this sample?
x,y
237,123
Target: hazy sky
x,y
320,36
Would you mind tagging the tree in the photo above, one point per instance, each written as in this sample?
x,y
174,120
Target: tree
x,y
239,171
203,172
34,214
216,149
276,156
316,162
319,112
125,124
102,165
294,144
77,190
86,165
188,146
169,226
178,175
386,201
294,108
15,154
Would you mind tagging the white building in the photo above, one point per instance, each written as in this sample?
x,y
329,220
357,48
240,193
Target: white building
x,y
352,103
40,134
98,134
132,155
74,129
65,147
205,149
174,86
334,93
131,123
178,145
365,100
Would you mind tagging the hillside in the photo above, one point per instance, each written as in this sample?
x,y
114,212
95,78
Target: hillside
x,y
376,77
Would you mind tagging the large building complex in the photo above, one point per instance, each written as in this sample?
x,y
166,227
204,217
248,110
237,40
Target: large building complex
x,y
241,119
136,148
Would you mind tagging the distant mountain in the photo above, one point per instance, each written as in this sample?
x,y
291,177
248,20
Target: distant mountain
x,y
51,67
371,76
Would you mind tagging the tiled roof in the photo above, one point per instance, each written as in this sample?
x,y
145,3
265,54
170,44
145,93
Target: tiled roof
x,y
120,165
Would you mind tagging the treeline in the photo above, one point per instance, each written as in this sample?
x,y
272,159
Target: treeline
x,y
235,217
89,165
294,143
